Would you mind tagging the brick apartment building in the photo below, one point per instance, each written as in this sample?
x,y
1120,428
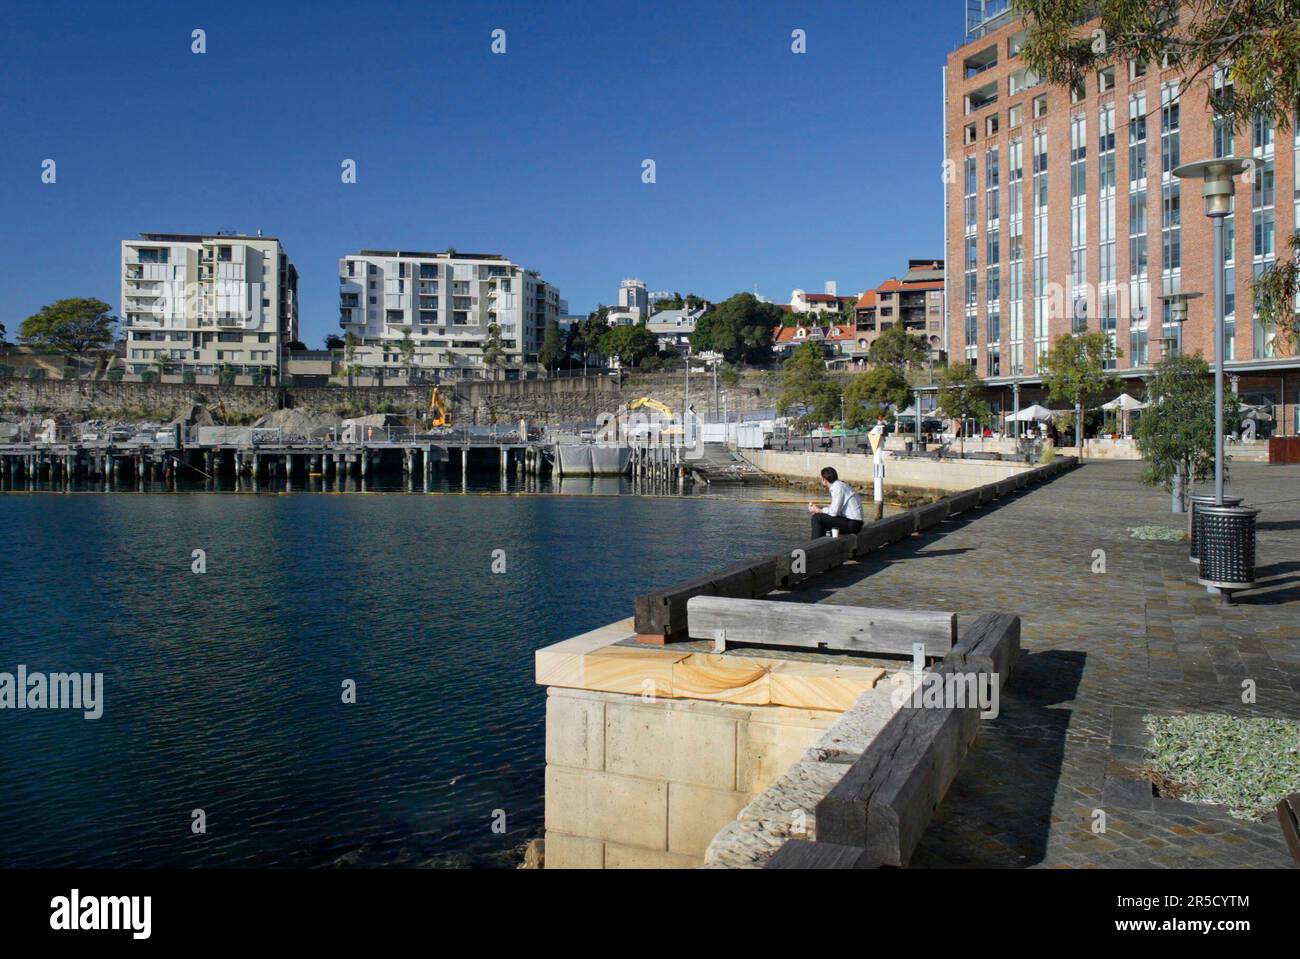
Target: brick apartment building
x,y
915,300
1062,215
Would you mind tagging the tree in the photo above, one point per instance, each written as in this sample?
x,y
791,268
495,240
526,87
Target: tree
x,y
1076,371
494,353
584,336
961,397
868,394
333,341
70,326
1277,293
406,346
630,344
552,349
740,328
1070,40
1175,433
349,356
898,348
806,386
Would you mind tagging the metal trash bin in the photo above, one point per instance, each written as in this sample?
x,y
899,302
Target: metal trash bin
x,y
1193,551
1226,536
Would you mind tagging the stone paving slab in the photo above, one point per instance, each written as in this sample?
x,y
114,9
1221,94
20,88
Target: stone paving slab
x,y
1140,637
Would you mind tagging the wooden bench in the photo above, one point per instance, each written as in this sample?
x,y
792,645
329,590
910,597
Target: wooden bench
x,y
885,800
961,502
882,533
814,558
855,629
932,515
661,615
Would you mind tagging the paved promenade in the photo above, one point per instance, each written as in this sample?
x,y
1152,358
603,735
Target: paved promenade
x,y
1099,650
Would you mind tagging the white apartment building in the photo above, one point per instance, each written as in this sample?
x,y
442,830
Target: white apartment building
x,y
200,305
633,304
445,303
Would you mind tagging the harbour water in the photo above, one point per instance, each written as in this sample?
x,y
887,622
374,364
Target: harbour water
x,y
223,689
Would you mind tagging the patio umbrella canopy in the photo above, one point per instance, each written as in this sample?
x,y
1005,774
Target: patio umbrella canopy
x,y
1125,403
1035,413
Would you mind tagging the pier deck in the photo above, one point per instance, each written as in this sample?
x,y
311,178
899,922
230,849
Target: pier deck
x,y
1099,651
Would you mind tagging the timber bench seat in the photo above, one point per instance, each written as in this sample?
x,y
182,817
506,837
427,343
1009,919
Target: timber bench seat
x,y
876,814
820,626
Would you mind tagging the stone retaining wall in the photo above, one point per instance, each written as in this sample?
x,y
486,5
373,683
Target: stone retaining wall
x,y
935,476
635,782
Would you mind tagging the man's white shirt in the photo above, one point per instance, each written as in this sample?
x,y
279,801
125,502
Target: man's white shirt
x,y
844,502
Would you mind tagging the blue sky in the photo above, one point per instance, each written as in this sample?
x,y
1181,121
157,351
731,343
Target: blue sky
x,y
770,167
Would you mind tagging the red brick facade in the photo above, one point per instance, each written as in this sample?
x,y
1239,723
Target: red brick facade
x,y
1261,374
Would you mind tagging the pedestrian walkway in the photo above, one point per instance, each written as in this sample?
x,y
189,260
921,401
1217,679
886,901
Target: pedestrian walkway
x,y
1099,651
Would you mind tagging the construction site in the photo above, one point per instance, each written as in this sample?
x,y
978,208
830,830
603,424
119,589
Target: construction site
x,y
646,439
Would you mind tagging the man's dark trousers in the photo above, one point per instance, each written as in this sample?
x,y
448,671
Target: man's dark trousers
x,y
823,524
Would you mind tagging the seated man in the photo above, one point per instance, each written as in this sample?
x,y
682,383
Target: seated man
x,y
845,511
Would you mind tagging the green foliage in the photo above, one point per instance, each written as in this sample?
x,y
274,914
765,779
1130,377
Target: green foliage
x,y
70,326
898,348
149,376
552,350
808,388
494,353
584,337
1248,765
630,344
868,394
227,375
1075,369
1175,433
115,374
406,346
1259,38
740,328
1277,290
334,342
187,377
961,394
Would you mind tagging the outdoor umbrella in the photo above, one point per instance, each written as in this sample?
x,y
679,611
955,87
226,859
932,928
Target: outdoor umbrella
x,y
1124,404
1035,413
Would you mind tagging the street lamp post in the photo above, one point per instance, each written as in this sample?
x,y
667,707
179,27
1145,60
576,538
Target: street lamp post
x,y
1217,188
1015,398
1178,304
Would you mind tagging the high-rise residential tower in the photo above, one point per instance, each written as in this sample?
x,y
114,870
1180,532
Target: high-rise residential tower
x,y
1063,215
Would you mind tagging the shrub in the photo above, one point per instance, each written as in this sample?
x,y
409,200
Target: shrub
x,y
115,374
149,376
1048,454
187,377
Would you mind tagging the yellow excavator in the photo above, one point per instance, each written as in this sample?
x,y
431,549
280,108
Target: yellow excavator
x,y
663,409
438,412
